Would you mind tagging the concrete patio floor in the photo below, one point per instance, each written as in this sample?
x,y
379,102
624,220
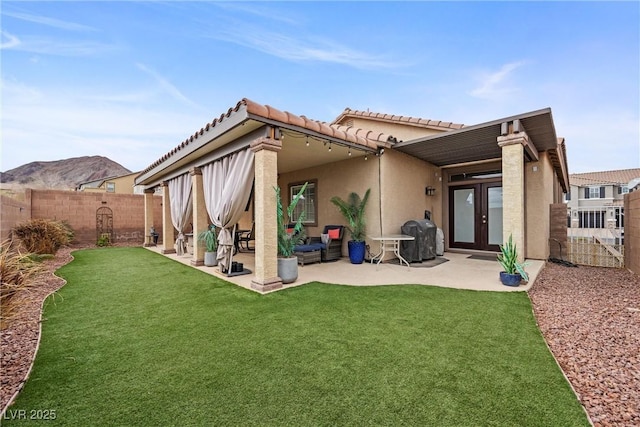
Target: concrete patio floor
x,y
459,271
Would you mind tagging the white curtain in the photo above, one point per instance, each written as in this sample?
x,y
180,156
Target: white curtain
x,y
227,188
181,196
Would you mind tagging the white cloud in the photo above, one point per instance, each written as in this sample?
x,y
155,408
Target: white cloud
x,y
167,86
70,122
47,46
495,85
9,41
50,22
300,50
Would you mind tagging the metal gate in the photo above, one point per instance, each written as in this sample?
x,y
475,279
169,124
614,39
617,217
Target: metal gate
x,y
595,236
104,224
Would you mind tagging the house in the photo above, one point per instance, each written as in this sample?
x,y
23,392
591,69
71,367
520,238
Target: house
x,y
596,199
120,184
480,183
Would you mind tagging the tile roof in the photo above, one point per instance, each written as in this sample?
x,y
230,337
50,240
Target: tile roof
x,y
391,118
622,176
257,111
347,133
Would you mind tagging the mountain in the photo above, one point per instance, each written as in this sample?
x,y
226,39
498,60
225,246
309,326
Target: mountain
x,y
62,174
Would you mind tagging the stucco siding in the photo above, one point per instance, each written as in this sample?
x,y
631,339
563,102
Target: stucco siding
x,y
400,131
539,178
404,179
339,179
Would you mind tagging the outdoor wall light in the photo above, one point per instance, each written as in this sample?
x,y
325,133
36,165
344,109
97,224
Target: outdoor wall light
x,y
430,191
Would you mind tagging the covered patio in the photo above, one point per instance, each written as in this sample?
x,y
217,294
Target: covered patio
x,y
225,175
460,270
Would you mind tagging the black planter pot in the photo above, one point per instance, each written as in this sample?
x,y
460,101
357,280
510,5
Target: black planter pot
x,y
508,279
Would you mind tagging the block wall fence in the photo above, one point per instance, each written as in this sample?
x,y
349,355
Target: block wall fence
x,y
79,209
632,231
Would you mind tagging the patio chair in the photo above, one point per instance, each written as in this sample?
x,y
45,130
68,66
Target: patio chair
x,y
333,246
308,252
246,237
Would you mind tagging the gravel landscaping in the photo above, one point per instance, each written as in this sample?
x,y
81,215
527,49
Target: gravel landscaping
x,y
590,318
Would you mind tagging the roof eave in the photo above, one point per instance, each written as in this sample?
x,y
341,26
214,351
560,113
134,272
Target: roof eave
x,y
194,143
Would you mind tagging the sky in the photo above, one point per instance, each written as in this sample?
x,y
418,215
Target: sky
x,y
131,80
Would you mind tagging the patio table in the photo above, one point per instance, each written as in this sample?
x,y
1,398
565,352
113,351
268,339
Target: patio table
x,y
391,243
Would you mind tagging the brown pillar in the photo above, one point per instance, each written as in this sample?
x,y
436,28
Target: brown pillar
x,y
200,216
148,216
266,178
168,243
513,188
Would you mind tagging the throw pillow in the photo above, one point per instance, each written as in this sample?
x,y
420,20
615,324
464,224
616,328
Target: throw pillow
x,y
334,233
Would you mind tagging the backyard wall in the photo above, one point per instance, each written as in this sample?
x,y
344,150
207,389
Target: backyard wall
x,y
632,231
12,213
79,209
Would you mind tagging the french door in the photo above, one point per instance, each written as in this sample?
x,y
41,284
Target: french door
x,y
475,216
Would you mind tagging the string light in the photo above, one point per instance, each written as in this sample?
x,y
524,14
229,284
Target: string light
x,y
329,147
307,140
349,151
365,157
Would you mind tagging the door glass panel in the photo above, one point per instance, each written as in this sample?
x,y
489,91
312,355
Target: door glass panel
x,y
464,215
495,215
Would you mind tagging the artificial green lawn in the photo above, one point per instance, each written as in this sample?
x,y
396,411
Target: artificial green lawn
x,y
135,339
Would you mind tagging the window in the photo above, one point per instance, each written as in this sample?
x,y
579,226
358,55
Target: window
x,y
111,187
308,203
591,219
623,189
567,196
594,193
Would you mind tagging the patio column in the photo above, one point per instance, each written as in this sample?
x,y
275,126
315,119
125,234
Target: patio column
x,y
513,189
167,225
200,216
266,178
148,215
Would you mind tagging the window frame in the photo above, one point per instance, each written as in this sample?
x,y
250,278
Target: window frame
x,y
110,187
595,192
294,187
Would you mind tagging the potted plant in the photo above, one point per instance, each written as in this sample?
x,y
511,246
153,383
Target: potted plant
x,y
513,272
288,239
210,239
353,212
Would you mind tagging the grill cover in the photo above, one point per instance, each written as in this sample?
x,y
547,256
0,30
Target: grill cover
x,y
423,247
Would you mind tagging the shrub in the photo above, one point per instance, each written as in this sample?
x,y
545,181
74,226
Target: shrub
x,y
43,236
19,273
103,240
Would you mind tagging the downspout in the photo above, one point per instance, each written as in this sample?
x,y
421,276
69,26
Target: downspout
x,y
380,190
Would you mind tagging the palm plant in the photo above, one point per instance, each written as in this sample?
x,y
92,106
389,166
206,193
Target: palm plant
x,y
209,238
353,212
288,240
508,258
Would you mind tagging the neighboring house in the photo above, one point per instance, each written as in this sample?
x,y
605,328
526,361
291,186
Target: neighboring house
x,y
481,183
122,184
597,198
